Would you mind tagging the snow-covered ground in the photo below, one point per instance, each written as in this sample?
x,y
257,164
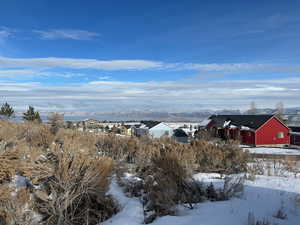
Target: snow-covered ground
x,y
277,151
262,197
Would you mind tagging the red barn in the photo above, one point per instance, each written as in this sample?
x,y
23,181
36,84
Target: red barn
x,y
256,130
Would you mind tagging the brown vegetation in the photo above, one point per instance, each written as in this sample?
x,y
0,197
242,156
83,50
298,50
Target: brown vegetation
x,y
69,172
72,183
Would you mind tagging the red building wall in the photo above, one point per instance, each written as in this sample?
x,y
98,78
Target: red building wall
x,y
267,134
233,134
248,137
210,125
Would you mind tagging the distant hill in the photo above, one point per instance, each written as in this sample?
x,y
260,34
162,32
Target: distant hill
x,y
160,116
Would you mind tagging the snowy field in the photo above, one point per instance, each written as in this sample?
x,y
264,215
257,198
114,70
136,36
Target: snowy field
x,y
262,198
276,151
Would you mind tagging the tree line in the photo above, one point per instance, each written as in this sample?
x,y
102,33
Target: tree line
x,y
7,112
279,109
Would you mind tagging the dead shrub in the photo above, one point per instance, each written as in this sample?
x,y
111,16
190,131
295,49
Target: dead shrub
x,y
291,166
16,207
253,221
72,179
233,187
56,122
72,170
35,135
71,191
77,188
167,183
222,157
280,214
203,134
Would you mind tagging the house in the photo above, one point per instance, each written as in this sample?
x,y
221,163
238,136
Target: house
x,y
255,130
293,122
295,136
127,129
139,131
204,123
157,129
180,135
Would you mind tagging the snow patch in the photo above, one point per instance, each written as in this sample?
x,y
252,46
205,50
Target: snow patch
x,y
277,151
262,198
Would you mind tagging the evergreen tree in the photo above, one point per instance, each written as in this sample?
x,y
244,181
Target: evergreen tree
x,y
6,111
31,115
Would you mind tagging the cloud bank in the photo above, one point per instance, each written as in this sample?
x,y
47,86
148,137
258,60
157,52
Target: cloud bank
x,y
140,64
116,96
107,95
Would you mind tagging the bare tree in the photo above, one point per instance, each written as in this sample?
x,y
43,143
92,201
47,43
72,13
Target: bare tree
x,y
279,110
252,110
56,120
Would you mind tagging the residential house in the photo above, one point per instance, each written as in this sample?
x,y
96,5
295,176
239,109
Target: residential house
x,y
180,135
158,129
293,122
139,131
255,130
204,123
127,130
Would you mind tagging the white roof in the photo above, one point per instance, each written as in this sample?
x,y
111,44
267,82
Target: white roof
x,y
204,122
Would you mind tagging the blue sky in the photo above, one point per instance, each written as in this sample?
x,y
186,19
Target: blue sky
x,y
108,56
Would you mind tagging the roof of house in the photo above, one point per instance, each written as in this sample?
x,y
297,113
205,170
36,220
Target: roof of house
x,y
292,120
179,133
204,122
137,125
150,123
295,129
251,121
127,126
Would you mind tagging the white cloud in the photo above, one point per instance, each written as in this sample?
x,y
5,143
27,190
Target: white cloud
x,y
32,73
233,68
213,68
71,63
55,34
17,72
116,96
104,77
5,33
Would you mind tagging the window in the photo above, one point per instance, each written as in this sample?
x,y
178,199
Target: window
x,y
280,135
249,134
